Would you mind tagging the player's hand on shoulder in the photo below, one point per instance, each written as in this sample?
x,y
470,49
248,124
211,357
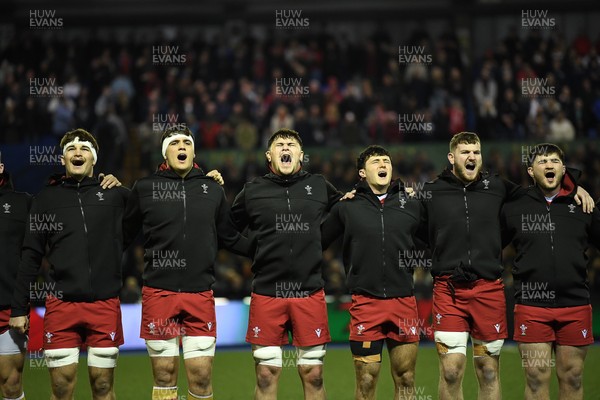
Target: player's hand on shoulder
x,y
108,181
216,175
349,195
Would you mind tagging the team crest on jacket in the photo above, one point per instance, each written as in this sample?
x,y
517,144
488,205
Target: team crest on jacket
x,y
572,208
438,317
308,190
402,202
6,208
205,188
486,183
49,337
360,329
256,331
100,196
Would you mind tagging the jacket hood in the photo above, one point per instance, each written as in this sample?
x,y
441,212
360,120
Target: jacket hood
x,y
363,187
6,182
61,179
167,172
288,179
448,176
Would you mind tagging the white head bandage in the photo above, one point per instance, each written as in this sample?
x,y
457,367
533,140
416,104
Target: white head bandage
x,y
170,139
83,143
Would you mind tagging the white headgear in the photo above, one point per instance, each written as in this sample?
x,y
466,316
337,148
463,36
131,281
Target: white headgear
x,y
170,139
83,143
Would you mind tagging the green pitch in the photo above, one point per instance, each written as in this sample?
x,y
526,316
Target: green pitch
x,y
233,376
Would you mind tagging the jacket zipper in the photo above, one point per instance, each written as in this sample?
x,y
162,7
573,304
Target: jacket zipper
x,y
468,225
289,204
184,207
552,244
383,248
184,214
86,239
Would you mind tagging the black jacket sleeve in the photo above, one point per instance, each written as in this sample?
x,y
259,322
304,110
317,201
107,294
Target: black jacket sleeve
x,y
132,218
506,233
594,229
422,234
239,215
32,252
332,227
229,237
333,195
513,191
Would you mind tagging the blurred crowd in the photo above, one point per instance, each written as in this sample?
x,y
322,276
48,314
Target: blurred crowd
x,y
234,89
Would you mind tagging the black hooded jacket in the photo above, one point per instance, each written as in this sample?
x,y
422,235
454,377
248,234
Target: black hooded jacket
x,y
379,250
283,216
82,225
184,222
550,268
464,225
14,211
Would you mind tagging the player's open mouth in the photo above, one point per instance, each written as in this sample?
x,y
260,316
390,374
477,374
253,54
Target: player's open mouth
x,y
181,156
78,162
382,174
286,159
470,166
550,175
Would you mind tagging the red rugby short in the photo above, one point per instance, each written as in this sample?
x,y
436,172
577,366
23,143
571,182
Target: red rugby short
x,y
396,318
567,326
478,307
271,318
69,324
167,314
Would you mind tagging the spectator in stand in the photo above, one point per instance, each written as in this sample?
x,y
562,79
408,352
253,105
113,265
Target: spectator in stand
x,y
561,129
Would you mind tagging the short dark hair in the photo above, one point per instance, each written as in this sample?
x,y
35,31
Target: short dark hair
x,y
175,130
463,138
285,134
371,151
82,134
544,149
